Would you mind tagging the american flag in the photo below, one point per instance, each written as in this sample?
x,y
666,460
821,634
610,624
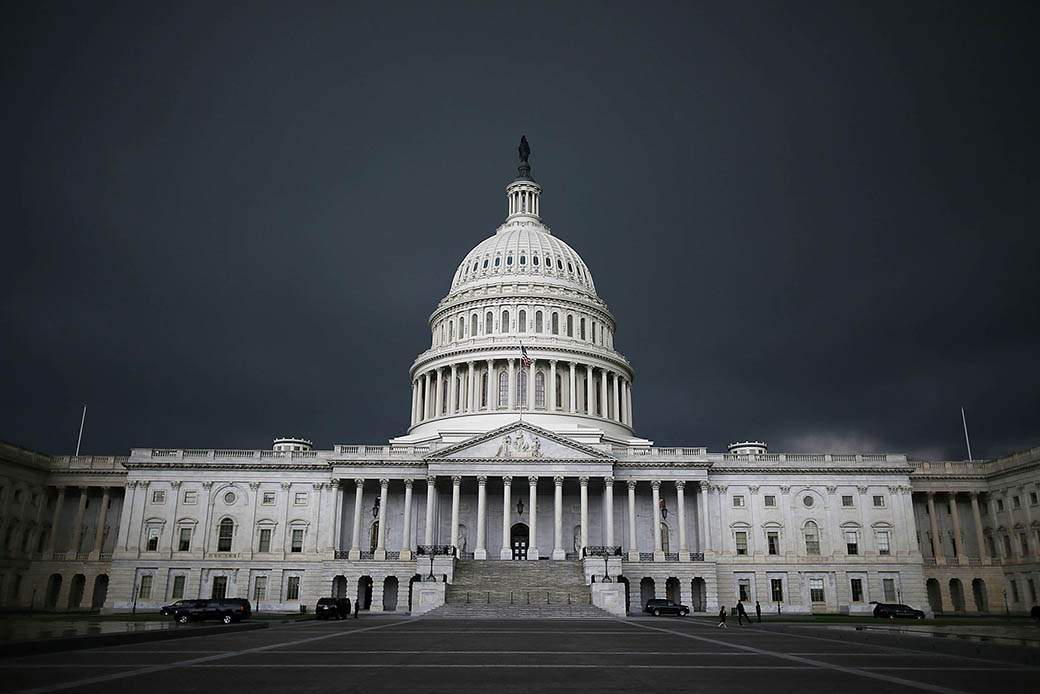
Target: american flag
x,y
524,359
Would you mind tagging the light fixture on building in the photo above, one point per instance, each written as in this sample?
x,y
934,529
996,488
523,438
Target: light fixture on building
x,y
664,510
520,507
375,508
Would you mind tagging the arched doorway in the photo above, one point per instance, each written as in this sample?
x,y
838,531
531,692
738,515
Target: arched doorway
x,y
671,589
665,544
934,595
978,591
699,593
97,600
339,587
50,599
364,592
390,586
519,538
628,600
646,591
79,582
411,586
957,594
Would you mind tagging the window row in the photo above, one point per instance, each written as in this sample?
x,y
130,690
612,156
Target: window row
x,y
817,589
847,501
226,531
533,263
191,496
219,587
538,322
811,541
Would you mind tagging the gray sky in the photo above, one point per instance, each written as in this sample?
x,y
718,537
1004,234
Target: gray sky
x,y
816,223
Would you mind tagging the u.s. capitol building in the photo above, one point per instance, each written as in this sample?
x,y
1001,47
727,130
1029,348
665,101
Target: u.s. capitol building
x,y
518,454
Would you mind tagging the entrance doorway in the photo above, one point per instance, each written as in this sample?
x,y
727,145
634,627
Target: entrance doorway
x,y
519,537
364,592
219,587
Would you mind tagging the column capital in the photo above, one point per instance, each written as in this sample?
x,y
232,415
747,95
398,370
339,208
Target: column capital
x,y
408,483
431,480
655,484
286,485
608,481
785,489
832,488
532,480
507,480
583,481
705,486
680,485
359,482
83,489
553,362
511,362
456,480
317,485
631,485
481,480
558,481
253,486
931,496
175,484
334,483
207,485
862,488
470,363
753,489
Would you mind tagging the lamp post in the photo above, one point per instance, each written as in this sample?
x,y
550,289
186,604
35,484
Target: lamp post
x,y
606,559
431,578
1007,610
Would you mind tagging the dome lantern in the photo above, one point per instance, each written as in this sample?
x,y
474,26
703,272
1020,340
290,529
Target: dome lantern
x,y
523,193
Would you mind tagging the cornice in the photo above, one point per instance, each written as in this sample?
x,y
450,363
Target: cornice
x,y
226,466
810,470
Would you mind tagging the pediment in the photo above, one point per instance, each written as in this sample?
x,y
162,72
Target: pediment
x,y
519,441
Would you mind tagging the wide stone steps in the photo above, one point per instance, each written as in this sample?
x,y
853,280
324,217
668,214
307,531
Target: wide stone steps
x,y
494,611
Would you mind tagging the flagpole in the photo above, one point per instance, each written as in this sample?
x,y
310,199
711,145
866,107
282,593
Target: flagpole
x,y
520,380
81,420
967,441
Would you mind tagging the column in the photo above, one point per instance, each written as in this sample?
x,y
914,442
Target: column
x,y
584,484
355,536
380,552
54,523
558,552
481,550
572,395
438,398
552,386
628,402
426,413
453,389
680,493
604,403
936,547
704,522
77,527
997,540
506,552
490,384
655,485
431,494
979,536
1030,531
608,491
624,402
406,532
456,483
958,540
633,545
471,392
590,400
532,545
99,534
511,401
412,421
616,393
337,514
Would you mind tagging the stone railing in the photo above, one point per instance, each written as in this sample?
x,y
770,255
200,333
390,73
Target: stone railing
x,y
88,462
654,451
950,467
536,341
813,457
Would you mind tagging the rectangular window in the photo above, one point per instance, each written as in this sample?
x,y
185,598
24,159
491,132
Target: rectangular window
x,y
812,542
773,538
260,589
741,538
857,589
816,590
292,588
1014,591
144,592
851,542
1007,546
178,588
770,501
846,501
219,587
882,542
184,542
265,540
888,585
153,540
158,496
1025,544
879,501
300,499
1032,590
191,496
744,589
738,501
297,540
1016,502
225,534
1033,498
268,498
776,588
1000,504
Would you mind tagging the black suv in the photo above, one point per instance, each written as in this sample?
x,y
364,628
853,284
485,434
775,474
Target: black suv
x,y
336,608
226,610
891,610
168,610
660,607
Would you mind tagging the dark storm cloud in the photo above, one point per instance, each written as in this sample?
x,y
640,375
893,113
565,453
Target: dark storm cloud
x,y
816,225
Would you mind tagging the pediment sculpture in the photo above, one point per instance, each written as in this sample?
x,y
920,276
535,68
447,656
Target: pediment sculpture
x,y
519,447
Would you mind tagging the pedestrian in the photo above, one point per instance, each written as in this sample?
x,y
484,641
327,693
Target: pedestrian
x,y
722,617
758,611
357,607
742,614
343,608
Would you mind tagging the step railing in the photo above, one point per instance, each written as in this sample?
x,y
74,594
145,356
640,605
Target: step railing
x,y
518,597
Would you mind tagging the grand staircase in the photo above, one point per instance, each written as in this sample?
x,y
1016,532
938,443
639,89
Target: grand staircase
x,y
518,589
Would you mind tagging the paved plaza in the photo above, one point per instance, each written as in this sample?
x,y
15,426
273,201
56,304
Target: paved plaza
x,y
431,655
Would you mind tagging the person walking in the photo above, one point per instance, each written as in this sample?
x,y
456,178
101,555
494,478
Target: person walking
x,y
742,614
357,607
722,617
343,608
758,611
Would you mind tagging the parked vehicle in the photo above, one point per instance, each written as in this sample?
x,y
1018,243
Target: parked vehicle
x,y
227,610
891,610
331,607
168,610
658,607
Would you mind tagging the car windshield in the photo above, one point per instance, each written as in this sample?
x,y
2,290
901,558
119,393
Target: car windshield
x,y
327,601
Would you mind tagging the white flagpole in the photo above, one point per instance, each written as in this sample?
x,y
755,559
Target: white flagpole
x,y
81,420
519,380
966,439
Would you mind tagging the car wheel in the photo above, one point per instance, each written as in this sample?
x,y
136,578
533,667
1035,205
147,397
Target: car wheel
x,y
891,616
657,612
182,619
227,619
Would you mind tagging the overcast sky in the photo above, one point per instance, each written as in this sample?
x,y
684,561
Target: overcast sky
x,y
815,223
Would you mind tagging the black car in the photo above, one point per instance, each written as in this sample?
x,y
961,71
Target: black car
x,y
891,610
227,610
338,608
659,607
168,610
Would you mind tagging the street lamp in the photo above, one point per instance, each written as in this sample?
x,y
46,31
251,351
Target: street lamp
x,y
520,507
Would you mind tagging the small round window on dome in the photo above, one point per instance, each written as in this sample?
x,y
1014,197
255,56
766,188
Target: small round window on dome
x,y
498,261
485,263
534,259
509,260
523,260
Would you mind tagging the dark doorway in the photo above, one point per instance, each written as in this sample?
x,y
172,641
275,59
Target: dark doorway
x,y
978,591
628,600
647,591
519,537
50,600
390,588
79,583
100,591
364,592
219,587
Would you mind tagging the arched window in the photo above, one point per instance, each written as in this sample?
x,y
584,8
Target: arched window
x,y
505,322
488,321
581,327
473,326
451,331
534,259
444,399
812,538
555,323
523,260
521,320
539,390
570,326
559,391
225,532
664,538
503,389
458,392
537,319
592,336
483,390
498,261
462,327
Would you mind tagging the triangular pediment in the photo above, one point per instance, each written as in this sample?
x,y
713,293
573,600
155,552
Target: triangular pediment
x,y
519,441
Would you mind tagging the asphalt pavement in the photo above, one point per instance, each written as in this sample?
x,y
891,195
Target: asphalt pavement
x,y
429,655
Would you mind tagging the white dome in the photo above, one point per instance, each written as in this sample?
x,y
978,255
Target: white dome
x,y
524,254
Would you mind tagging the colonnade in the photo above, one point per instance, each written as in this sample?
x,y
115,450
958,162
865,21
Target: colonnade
x,y
25,535
1014,540
546,385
